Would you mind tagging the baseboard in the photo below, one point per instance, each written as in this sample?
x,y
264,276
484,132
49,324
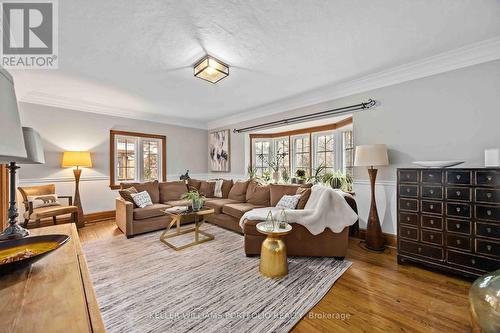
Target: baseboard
x,y
89,219
389,239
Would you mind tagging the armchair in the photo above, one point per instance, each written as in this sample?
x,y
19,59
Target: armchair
x,y
54,210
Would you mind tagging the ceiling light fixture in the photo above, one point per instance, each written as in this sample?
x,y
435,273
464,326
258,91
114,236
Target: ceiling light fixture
x,y
211,69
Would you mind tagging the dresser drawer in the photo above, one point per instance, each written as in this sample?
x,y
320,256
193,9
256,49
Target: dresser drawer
x,y
458,242
408,176
488,178
428,251
408,205
432,207
458,210
487,195
408,233
459,177
487,247
491,213
432,237
431,222
407,218
408,191
477,262
432,176
432,192
459,194
488,230
462,227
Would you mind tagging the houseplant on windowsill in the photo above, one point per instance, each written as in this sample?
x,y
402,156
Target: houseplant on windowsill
x,y
196,199
301,176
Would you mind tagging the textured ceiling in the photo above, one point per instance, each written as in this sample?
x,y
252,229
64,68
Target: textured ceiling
x,y
137,56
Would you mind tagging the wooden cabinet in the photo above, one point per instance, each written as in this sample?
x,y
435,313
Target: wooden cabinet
x,y
449,219
54,295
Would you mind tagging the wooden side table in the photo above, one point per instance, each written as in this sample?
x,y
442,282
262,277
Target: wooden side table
x,y
273,259
199,217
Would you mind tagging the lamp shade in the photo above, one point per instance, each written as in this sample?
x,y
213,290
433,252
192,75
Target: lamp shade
x,y
11,134
371,155
34,147
76,159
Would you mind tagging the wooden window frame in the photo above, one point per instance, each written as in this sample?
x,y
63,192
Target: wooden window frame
x,y
112,136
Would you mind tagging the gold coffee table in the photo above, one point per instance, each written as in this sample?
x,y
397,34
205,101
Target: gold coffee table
x,y
273,260
199,218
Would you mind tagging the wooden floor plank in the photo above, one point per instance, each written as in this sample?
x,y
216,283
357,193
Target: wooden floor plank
x,y
378,295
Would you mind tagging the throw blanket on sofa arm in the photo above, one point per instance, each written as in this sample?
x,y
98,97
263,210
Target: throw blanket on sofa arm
x,y
326,208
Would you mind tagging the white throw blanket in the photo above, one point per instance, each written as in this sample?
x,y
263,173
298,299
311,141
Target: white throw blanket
x,y
326,208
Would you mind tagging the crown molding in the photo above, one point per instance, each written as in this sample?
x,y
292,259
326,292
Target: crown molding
x,y
40,98
469,55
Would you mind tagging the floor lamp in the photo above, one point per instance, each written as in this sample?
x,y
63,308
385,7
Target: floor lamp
x,y
370,156
77,159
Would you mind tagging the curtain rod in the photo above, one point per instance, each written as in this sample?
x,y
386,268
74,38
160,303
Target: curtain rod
x,y
288,121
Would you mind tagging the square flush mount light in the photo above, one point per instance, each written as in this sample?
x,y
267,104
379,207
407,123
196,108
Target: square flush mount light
x,y
211,69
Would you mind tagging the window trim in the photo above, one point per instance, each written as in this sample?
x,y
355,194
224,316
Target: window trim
x,y
112,157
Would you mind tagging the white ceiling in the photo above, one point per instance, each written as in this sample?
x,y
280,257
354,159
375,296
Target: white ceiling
x,y
135,57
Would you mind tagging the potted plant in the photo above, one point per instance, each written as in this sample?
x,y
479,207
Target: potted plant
x,y
252,172
338,180
196,199
266,176
317,174
285,176
301,176
276,170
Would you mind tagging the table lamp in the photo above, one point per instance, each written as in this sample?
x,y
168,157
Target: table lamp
x,y
370,156
17,144
77,159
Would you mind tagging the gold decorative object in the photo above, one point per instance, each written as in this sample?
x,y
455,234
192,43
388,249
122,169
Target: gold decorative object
x,y
273,259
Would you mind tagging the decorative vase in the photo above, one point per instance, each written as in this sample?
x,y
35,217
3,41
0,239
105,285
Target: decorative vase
x,y
276,176
197,204
269,222
301,181
283,220
484,300
293,180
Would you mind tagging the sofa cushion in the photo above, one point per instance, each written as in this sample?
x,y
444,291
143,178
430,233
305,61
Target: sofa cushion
x,y
194,184
149,211
226,188
172,190
258,194
305,193
174,203
238,209
207,188
277,191
126,194
239,191
217,204
153,189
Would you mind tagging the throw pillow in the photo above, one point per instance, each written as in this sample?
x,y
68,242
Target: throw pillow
x,y
207,189
258,194
45,200
238,191
142,199
218,188
288,201
305,193
126,194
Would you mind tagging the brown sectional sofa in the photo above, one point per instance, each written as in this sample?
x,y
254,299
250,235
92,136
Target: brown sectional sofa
x,y
237,198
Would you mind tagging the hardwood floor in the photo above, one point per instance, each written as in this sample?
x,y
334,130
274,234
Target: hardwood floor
x,y
374,295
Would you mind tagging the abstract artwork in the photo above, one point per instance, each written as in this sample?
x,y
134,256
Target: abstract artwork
x,y
218,150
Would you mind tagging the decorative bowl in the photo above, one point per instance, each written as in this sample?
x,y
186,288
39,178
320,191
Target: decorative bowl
x,y
438,164
39,246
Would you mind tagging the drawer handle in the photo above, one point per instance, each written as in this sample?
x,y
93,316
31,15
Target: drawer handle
x,y
431,206
408,232
407,176
408,219
459,176
488,212
473,261
489,195
458,209
432,222
419,249
431,191
488,247
490,178
407,204
459,242
458,193
407,190
488,230
457,225
431,175
431,236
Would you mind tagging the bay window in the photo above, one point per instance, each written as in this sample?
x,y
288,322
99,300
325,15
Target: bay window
x,y
262,155
324,151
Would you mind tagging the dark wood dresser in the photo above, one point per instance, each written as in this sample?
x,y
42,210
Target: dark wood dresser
x,y
449,219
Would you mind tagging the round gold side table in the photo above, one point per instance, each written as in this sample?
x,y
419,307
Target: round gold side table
x,y
273,260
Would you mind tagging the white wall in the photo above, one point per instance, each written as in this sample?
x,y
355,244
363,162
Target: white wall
x,y
454,115
63,129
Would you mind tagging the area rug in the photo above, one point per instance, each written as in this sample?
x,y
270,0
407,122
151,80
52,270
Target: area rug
x,y
144,286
